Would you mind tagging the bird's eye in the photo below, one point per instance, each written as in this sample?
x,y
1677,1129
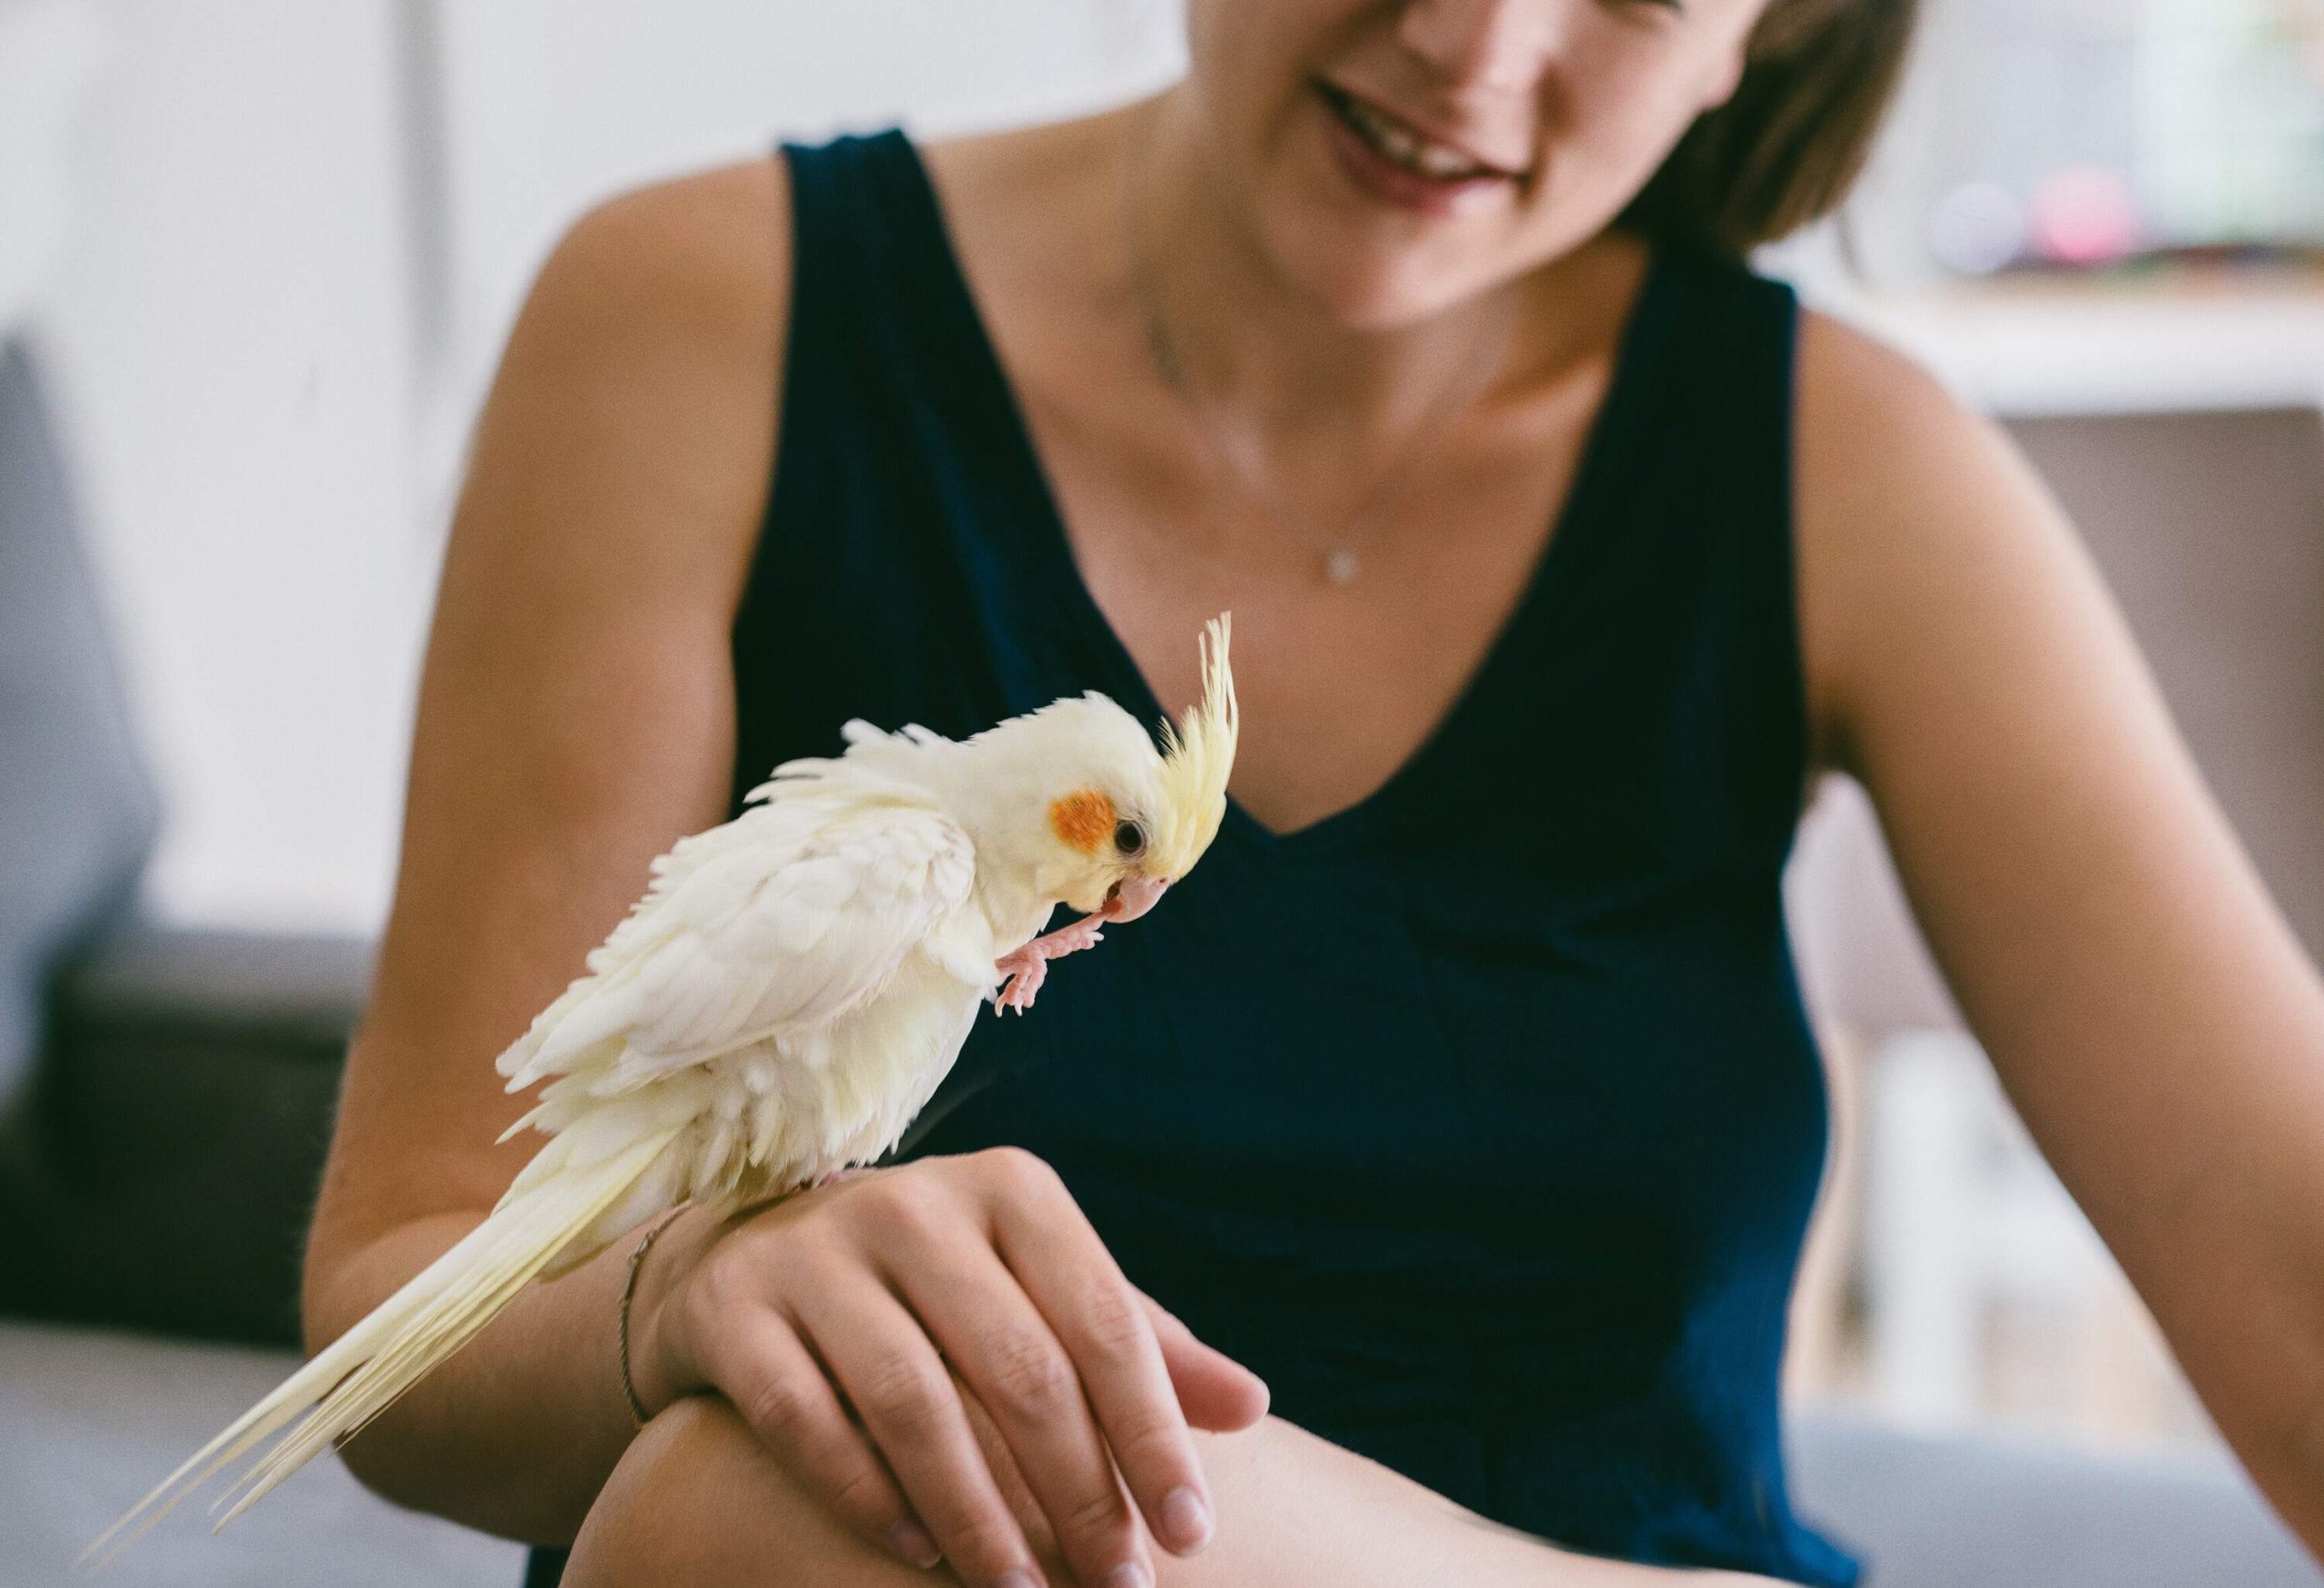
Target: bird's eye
x,y
1129,837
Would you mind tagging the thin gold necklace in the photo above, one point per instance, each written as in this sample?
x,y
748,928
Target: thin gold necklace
x,y
1339,557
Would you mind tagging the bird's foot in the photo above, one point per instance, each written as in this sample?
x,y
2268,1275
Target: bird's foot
x,y
1026,968
1026,971
1071,938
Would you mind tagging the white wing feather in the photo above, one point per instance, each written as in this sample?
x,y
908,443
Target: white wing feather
x,y
783,919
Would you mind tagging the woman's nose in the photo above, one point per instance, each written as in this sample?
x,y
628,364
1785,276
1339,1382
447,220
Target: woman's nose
x,y
1482,43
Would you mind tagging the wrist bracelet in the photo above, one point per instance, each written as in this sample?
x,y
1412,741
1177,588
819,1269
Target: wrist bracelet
x,y
637,1414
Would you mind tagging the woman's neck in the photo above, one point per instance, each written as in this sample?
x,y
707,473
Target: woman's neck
x,y
1251,341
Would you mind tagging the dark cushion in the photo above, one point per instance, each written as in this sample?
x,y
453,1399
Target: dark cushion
x,y
163,1173
77,811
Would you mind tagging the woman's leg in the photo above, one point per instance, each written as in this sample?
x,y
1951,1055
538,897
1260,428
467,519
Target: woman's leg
x,y
698,1501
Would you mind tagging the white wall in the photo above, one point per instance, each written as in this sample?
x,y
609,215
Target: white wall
x,y
283,296
228,336
552,107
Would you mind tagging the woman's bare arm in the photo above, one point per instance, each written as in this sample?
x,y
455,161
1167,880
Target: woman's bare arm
x,y
2149,1012
576,718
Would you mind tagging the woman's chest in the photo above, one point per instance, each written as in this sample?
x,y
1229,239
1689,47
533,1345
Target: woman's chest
x,y
1342,680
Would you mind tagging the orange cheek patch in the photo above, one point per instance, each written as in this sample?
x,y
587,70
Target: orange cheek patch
x,y
1083,819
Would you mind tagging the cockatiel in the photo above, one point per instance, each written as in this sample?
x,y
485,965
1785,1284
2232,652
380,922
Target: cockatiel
x,y
780,1003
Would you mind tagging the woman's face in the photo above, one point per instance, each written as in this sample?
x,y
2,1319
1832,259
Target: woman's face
x,y
1391,157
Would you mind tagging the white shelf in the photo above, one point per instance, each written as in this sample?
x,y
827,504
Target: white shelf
x,y
2027,350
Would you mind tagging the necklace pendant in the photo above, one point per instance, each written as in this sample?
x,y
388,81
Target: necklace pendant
x,y
1341,568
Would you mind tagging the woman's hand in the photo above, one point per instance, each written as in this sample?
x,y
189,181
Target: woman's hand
x,y
835,1321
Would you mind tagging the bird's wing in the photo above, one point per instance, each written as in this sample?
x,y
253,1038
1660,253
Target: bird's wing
x,y
785,919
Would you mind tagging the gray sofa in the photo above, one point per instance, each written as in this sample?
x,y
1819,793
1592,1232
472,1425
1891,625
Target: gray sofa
x,y
1962,1511
163,1094
157,1169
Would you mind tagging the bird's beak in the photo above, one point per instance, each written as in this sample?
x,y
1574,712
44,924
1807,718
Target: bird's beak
x,y
1133,897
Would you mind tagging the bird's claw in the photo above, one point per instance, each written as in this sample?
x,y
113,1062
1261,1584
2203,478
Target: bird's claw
x,y
1026,972
1026,968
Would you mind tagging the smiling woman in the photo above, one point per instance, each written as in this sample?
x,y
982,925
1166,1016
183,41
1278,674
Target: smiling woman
x,y
1464,1097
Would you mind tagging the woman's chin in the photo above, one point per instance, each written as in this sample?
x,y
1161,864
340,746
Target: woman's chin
x,y
1371,267
1364,280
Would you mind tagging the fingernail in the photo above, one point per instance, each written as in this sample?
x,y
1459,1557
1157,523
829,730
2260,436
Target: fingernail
x,y
911,1541
1128,1574
1015,1577
1185,1518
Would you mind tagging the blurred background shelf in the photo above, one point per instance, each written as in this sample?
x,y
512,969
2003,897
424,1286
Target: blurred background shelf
x,y
2046,347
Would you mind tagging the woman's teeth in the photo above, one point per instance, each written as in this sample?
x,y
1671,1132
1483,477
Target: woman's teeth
x,y
1401,146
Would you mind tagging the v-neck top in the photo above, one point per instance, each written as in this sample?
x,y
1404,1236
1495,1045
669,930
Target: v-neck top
x,y
1481,1118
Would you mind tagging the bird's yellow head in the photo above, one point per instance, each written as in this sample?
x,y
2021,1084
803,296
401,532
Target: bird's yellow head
x,y
1131,819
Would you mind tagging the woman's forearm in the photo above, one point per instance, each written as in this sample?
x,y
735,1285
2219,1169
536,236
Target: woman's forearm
x,y
2238,1286
517,1432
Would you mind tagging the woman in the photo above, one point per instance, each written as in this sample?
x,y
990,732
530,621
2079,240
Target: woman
x,y
1463,1094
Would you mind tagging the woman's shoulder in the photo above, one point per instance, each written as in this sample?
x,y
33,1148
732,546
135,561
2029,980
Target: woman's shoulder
x,y
700,259
1842,367
1880,442
1900,488
639,384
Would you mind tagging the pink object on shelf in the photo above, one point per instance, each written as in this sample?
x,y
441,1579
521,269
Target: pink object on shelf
x,y
2082,215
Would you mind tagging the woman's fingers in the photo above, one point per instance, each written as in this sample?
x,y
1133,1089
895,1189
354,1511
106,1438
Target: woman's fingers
x,y
1217,1394
827,1319
883,1362
1013,1487
1101,1320
778,1387
1032,1390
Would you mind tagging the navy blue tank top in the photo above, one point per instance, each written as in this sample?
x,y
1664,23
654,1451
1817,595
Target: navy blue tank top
x,y
1482,1120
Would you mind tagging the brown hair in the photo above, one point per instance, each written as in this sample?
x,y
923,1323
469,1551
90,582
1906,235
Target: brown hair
x,y
1817,76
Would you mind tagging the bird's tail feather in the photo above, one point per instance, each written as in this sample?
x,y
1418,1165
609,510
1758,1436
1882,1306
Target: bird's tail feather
x,y
360,1374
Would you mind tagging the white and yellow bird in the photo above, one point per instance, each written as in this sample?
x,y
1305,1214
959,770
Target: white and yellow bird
x,y
780,1005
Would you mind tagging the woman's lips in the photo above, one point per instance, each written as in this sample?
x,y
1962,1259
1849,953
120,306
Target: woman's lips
x,y
1392,183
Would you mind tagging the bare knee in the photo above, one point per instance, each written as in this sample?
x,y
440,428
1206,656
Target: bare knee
x,y
636,1529
696,1499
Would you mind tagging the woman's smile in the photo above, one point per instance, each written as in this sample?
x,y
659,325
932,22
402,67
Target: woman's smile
x,y
1397,163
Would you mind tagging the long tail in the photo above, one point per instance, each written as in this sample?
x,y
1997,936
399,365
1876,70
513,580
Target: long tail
x,y
400,1341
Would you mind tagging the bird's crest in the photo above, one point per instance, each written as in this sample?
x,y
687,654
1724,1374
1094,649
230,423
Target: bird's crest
x,y
1196,756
